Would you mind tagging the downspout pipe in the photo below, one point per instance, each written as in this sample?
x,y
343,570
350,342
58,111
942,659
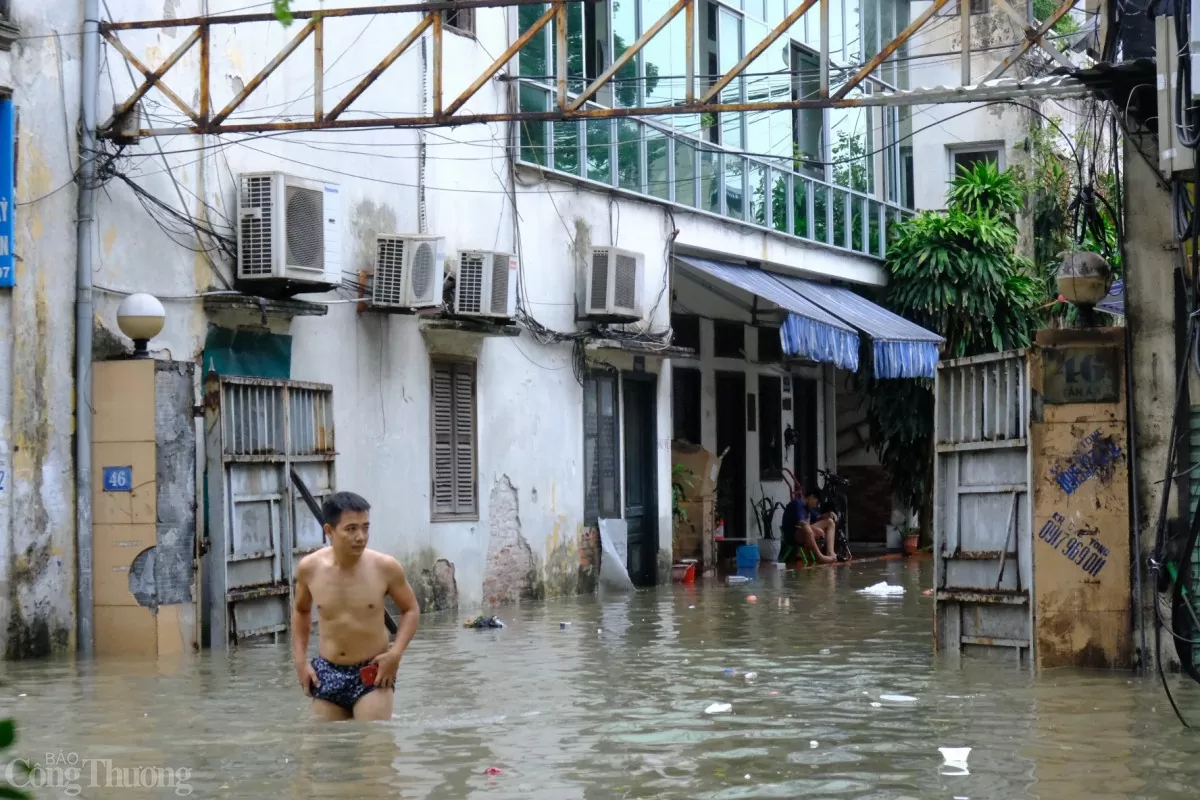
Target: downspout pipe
x,y
83,326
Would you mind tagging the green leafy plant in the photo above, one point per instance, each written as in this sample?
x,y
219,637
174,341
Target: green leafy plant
x,y
8,735
956,272
283,11
681,480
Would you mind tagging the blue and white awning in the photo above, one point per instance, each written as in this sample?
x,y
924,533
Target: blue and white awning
x,y
824,322
899,348
809,332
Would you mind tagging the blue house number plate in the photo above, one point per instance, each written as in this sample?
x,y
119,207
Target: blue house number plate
x,y
118,479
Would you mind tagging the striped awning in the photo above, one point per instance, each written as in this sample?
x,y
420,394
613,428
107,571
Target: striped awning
x,y
899,348
809,331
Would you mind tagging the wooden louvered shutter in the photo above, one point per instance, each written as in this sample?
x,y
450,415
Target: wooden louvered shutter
x,y
453,401
464,438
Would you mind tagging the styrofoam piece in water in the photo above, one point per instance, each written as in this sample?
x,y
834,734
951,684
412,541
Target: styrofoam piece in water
x,y
955,755
719,708
897,698
882,589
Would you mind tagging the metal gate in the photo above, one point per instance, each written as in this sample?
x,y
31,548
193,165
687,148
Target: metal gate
x,y
257,431
982,524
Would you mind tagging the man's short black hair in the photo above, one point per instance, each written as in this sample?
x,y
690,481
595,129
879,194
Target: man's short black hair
x,y
339,503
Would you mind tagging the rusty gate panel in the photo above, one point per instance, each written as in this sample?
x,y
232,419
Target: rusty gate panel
x,y
258,430
982,530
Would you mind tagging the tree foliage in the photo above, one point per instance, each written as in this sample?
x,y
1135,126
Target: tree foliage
x,y
955,272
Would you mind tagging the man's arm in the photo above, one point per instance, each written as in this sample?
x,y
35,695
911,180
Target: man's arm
x,y
302,614
401,592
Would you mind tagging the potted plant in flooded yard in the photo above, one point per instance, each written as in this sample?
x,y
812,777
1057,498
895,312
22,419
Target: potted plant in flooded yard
x,y
911,535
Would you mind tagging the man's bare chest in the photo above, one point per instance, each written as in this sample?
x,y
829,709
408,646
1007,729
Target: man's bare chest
x,y
335,596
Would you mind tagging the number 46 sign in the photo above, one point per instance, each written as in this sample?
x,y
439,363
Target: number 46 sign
x,y
118,479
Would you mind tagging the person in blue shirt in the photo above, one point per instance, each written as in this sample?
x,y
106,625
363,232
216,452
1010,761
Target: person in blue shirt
x,y
805,526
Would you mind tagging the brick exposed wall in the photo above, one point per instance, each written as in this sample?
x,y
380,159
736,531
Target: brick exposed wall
x,y
870,502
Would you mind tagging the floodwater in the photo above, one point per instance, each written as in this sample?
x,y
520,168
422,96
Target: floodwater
x,y
614,707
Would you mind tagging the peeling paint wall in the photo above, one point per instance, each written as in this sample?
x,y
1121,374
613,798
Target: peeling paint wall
x,y
37,510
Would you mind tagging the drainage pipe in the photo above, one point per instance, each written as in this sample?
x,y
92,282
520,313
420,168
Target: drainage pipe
x,y
83,324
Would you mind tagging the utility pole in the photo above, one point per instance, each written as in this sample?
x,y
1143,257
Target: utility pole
x,y
83,323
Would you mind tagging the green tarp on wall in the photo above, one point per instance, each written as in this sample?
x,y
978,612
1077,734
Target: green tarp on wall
x,y
248,354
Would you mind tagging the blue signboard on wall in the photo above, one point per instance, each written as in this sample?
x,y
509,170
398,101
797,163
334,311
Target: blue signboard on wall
x,y
7,147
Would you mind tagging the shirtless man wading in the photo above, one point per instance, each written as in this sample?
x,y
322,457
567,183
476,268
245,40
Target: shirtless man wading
x,y
348,583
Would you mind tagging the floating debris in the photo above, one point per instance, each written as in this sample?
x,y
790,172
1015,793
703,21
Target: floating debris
x,y
484,622
719,708
882,589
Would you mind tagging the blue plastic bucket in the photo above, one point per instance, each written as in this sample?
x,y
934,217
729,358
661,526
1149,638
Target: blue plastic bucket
x,y
747,556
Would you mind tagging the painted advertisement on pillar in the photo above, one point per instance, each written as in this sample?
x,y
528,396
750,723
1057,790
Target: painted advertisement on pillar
x,y
1080,510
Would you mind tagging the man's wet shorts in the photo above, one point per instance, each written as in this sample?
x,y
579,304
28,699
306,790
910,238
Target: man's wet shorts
x,y
340,684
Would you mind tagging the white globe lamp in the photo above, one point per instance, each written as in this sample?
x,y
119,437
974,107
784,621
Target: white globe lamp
x,y
141,318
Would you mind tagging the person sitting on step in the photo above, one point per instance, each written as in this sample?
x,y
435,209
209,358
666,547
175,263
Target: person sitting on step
x,y
804,526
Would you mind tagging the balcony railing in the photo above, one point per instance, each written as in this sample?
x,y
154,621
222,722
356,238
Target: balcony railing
x,y
645,157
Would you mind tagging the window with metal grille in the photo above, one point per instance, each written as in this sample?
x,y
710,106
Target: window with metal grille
x,y
454,494
601,448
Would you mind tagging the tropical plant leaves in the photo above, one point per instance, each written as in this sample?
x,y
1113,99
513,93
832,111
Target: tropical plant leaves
x,y
956,272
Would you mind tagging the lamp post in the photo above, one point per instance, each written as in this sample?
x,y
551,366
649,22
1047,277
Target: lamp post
x,y
1084,279
141,318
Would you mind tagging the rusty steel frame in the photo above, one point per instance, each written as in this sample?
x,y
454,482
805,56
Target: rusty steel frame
x,y
566,107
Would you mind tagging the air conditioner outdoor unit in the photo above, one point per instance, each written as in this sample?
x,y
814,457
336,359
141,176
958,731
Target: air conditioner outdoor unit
x,y
613,285
486,285
289,228
409,271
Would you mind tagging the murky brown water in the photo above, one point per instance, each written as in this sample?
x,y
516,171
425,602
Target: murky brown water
x,y
620,711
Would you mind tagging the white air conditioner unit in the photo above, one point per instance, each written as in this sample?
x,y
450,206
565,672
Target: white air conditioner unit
x,y
486,285
613,285
289,228
409,271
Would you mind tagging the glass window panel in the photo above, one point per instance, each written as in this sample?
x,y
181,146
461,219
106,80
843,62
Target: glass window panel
x,y
729,50
575,65
599,150
566,147
840,210
820,212
533,134
852,19
662,57
875,241
625,83
809,123
658,158
848,130
685,173
629,154
837,38
735,190
869,24
779,201
857,220
533,62
758,193
800,220
710,180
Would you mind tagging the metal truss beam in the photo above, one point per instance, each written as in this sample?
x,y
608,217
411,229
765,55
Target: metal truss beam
x,y
202,120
